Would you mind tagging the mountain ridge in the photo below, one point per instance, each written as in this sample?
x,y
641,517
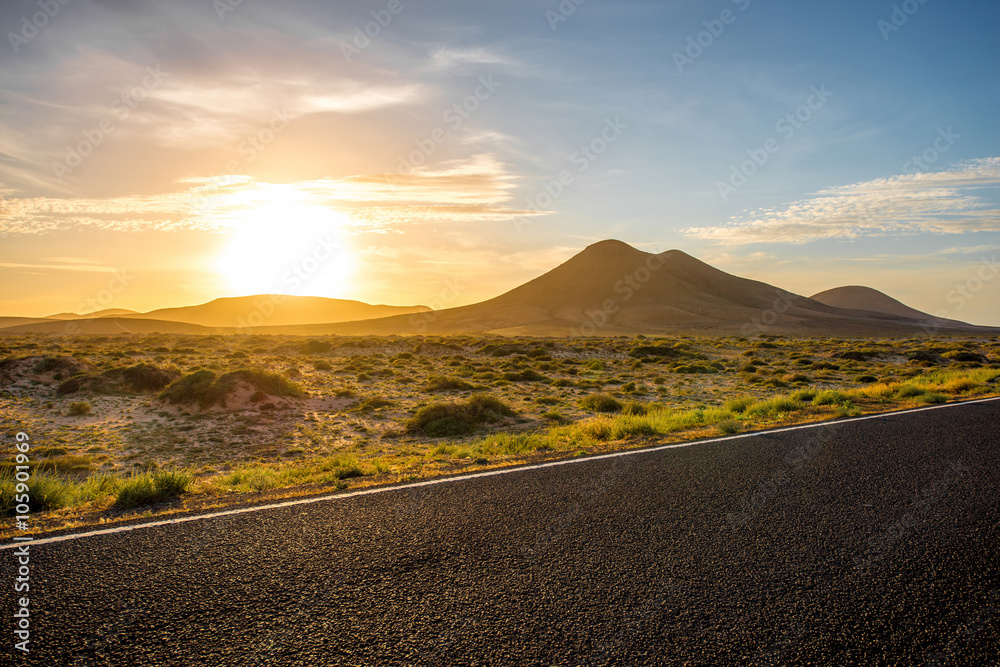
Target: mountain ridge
x,y
608,288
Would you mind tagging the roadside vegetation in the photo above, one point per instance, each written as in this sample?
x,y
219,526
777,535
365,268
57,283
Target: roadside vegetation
x,y
125,422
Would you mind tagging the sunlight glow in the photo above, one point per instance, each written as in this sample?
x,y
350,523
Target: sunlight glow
x,y
282,241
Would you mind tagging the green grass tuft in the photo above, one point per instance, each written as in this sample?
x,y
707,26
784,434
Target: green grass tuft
x,y
152,488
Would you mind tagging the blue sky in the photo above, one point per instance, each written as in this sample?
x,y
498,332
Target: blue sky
x,y
780,148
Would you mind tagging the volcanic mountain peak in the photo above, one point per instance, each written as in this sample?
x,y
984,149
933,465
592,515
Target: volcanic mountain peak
x,y
608,247
613,249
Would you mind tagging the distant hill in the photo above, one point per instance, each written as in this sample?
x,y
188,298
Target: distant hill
x,y
609,288
866,298
612,288
18,321
276,310
106,326
108,312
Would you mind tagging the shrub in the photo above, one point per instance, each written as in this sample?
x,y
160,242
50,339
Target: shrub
x,y
673,352
738,405
453,419
316,347
927,356
600,403
960,355
98,485
847,409
615,428
171,482
322,366
876,390
858,355
206,389
372,403
960,385
251,478
696,368
932,397
866,379
439,383
825,366
79,408
804,396
829,397
910,391
139,379
45,492
633,408
729,427
773,406
510,444
527,375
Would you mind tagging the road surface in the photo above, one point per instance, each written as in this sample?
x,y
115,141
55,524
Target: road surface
x,y
868,541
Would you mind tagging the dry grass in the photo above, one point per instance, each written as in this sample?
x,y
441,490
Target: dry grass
x,y
358,410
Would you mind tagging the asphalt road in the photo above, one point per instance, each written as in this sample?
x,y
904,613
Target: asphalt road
x,y
867,542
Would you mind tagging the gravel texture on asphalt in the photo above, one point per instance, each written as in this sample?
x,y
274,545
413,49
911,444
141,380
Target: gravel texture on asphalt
x,y
859,542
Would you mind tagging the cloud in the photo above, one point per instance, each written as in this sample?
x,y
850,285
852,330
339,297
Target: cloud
x,y
222,110
86,268
452,59
944,202
955,254
193,92
473,190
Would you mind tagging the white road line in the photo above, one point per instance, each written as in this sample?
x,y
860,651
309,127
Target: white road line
x,y
489,473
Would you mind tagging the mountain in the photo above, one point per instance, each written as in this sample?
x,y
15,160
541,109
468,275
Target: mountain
x,y
866,298
611,288
107,312
275,310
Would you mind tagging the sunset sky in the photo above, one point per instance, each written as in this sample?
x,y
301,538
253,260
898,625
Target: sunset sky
x,y
194,149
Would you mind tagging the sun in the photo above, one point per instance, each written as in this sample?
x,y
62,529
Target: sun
x,y
282,241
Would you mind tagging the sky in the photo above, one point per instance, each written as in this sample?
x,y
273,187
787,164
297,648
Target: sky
x,y
442,152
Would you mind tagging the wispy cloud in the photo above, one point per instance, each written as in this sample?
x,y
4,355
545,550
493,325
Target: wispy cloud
x,y
473,190
451,59
222,110
944,202
86,268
